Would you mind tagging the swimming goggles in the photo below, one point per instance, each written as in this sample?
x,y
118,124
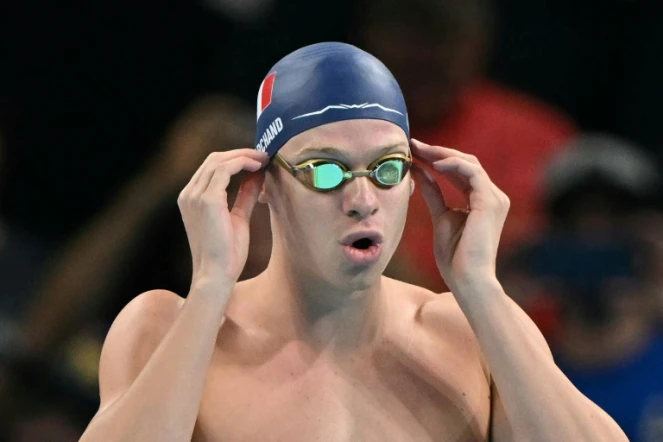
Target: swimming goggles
x,y
324,175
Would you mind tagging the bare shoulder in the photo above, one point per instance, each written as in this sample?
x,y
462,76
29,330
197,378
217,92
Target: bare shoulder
x,y
435,312
440,321
135,334
440,316
441,312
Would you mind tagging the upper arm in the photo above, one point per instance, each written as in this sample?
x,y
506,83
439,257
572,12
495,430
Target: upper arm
x,y
131,340
530,328
500,429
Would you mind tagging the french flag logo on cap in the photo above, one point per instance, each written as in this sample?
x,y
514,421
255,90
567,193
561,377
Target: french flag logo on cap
x,y
265,93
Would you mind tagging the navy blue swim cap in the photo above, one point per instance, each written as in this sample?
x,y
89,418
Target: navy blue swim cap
x,y
323,83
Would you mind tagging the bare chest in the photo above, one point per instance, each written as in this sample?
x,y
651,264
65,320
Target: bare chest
x,y
379,399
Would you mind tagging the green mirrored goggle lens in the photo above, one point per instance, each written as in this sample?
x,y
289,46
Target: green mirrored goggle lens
x,y
390,172
327,176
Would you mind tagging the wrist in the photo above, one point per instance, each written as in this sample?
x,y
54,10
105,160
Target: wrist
x,y
209,297
475,283
212,286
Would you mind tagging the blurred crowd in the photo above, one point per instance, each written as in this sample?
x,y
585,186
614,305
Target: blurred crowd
x,y
107,111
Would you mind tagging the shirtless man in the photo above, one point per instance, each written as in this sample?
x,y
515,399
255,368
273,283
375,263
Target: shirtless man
x,y
321,346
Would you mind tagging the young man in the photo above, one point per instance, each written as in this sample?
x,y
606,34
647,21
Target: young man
x,y
321,346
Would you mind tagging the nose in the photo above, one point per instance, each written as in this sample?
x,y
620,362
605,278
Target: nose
x,y
360,199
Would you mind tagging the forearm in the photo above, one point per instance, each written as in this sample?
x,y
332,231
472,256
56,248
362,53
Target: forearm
x,y
83,275
163,402
539,401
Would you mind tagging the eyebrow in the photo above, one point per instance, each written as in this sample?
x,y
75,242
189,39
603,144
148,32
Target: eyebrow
x,y
336,152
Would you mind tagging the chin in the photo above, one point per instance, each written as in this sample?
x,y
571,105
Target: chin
x,y
336,271
359,278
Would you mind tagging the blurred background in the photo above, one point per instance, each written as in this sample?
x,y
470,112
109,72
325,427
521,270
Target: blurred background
x,y
107,109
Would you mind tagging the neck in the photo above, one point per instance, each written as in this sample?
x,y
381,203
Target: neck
x,y
324,316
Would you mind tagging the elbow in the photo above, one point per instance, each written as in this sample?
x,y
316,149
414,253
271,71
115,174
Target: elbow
x,y
615,433
603,429
586,422
608,434
584,432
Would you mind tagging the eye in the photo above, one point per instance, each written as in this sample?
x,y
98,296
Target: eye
x,y
390,172
327,175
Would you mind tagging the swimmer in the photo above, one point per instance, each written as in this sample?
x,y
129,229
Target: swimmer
x,y
321,346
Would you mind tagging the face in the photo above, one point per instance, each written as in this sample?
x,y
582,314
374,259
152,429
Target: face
x,y
344,237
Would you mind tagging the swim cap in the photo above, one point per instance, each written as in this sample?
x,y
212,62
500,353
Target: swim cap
x,y
320,84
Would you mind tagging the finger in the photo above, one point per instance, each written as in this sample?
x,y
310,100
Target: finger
x,y
217,157
224,171
248,195
188,189
465,176
251,153
430,190
434,153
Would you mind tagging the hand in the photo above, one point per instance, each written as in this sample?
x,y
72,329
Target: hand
x,y
219,237
466,241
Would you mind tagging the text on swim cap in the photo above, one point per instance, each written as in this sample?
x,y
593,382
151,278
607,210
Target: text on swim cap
x,y
270,133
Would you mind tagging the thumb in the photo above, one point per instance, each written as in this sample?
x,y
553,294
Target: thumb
x,y
430,190
247,196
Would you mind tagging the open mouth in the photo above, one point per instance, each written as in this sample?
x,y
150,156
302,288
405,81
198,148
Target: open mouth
x,y
363,243
363,248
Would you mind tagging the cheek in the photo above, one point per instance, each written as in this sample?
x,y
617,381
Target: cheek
x,y
395,209
399,200
306,221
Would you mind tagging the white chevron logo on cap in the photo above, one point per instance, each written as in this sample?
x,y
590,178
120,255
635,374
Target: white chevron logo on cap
x,y
348,106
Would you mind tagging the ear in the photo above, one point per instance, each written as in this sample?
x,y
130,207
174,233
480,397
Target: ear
x,y
263,197
411,186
